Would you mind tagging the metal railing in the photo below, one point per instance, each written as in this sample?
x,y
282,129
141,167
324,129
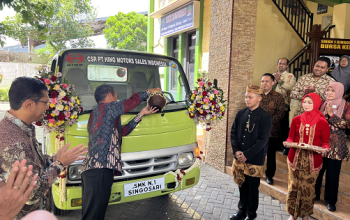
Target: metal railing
x,y
299,64
298,16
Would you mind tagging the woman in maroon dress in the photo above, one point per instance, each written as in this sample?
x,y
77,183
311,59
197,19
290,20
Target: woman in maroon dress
x,y
311,128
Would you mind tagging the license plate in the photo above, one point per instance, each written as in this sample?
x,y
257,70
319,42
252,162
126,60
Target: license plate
x,y
133,189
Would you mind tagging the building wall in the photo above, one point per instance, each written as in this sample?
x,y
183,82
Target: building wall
x,y
273,40
313,8
16,64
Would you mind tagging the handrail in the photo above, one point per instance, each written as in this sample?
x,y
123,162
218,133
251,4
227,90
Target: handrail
x,y
305,6
298,65
328,29
298,16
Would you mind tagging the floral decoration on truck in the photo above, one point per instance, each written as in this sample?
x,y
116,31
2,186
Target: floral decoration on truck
x,y
206,104
64,109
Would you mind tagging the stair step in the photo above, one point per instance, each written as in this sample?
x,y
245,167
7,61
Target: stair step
x,y
344,179
279,191
344,172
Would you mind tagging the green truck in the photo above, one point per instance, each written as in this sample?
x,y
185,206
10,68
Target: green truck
x,y
162,143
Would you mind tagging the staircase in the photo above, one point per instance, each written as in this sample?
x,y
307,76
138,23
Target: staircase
x,y
279,190
297,15
280,187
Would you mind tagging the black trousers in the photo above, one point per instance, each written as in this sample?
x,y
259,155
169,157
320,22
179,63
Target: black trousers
x,y
332,180
96,184
284,127
274,145
249,196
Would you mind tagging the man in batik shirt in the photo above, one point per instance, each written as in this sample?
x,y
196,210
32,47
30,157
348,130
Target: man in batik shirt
x,y
316,82
273,103
249,139
105,139
28,101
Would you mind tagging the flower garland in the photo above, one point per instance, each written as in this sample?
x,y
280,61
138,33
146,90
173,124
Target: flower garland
x,y
64,106
206,104
64,110
180,173
62,179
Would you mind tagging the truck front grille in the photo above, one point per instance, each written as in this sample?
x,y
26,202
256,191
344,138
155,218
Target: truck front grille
x,y
147,167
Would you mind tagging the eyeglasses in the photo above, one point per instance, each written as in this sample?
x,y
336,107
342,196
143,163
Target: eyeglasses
x,y
46,102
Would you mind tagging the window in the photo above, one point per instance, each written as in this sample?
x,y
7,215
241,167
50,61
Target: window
x,y
107,73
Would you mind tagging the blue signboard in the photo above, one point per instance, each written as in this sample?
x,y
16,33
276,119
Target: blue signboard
x,y
177,21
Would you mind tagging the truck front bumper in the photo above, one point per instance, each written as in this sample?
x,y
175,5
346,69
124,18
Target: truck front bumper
x,y
74,193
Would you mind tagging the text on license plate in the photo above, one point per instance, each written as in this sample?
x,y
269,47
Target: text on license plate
x,y
132,189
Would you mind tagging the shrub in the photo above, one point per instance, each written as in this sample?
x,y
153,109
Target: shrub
x,y
4,93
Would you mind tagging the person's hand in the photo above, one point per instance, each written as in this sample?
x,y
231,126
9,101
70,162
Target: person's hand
x,y
154,90
67,156
17,190
285,144
243,159
238,153
309,89
329,109
277,76
240,156
323,152
147,111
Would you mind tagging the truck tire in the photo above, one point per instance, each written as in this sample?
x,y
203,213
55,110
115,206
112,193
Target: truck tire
x,y
56,211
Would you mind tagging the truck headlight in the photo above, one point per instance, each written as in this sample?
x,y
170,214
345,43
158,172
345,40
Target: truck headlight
x,y
185,159
74,172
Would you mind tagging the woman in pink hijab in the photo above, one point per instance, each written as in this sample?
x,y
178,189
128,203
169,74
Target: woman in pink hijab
x,y
337,113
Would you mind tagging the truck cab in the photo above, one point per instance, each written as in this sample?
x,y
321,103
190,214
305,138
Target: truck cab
x,y
161,144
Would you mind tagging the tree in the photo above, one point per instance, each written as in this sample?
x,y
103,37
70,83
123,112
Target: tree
x,y
126,31
67,23
32,12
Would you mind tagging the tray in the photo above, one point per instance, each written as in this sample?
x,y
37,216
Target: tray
x,y
305,146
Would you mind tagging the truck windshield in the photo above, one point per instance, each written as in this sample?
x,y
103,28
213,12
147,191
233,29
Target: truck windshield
x,y
127,72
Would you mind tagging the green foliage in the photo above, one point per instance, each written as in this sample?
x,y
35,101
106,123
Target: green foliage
x,y
127,31
4,93
32,13
46,53
57,22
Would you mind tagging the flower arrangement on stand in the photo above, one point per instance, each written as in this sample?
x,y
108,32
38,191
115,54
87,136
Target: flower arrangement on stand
x,y
206,104
64,110
180,173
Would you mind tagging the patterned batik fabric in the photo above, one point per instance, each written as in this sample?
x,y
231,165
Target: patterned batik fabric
x,y
338,149
298,91
273,103
105,132
18,142
240,169
301,188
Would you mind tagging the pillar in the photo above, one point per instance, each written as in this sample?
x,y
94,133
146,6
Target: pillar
x,y
231,62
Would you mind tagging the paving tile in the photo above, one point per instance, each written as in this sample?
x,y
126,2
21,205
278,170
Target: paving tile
x,y
210,199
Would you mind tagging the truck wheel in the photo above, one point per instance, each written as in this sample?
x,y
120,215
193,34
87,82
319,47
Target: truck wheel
x,y
55,210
